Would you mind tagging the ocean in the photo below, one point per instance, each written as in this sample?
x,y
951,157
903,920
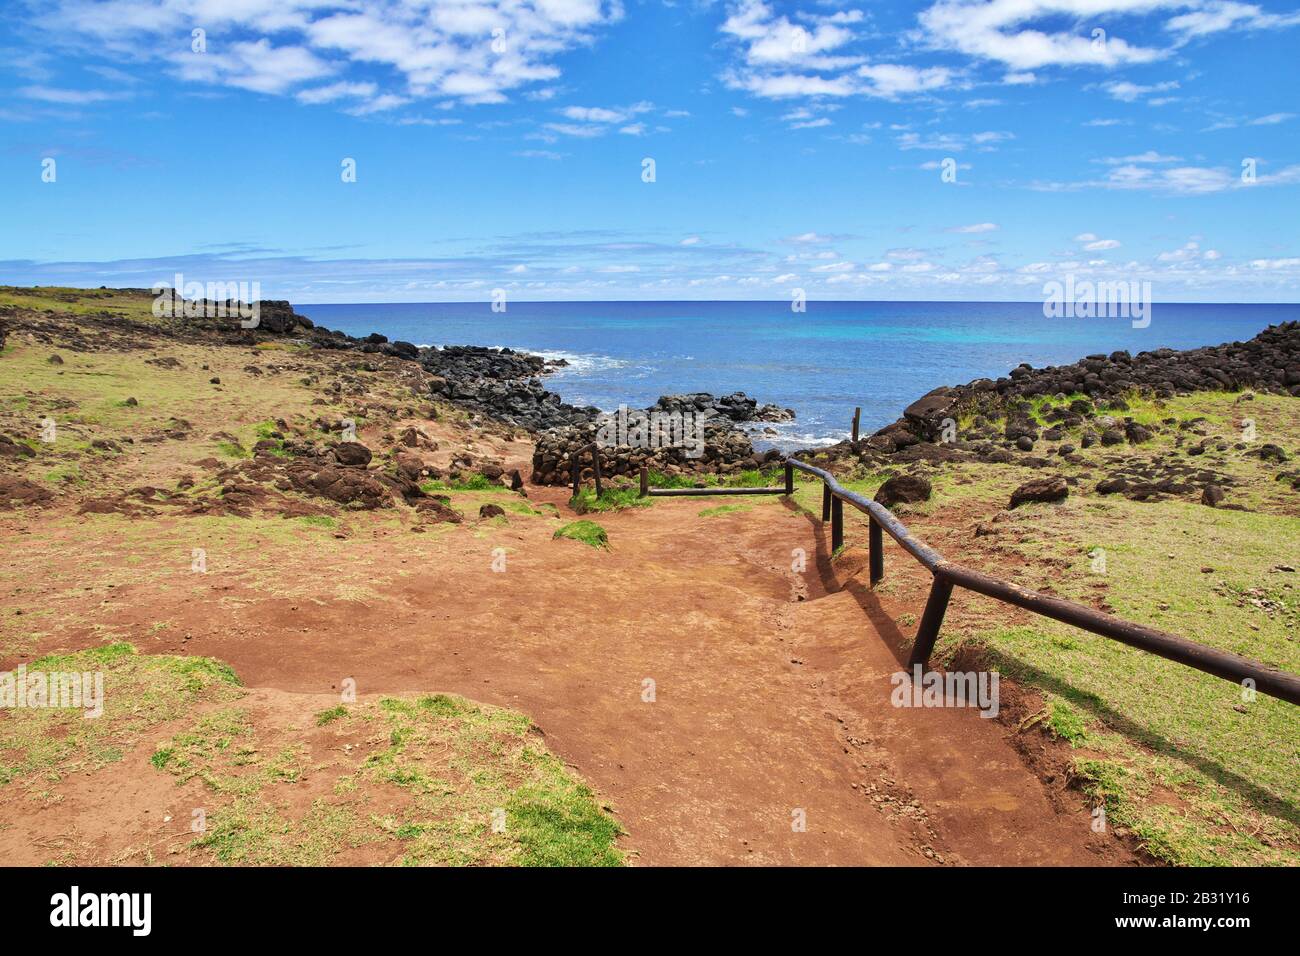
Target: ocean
x,y
822,362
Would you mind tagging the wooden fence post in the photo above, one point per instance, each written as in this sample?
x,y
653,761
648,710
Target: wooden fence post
x,y
857,417
826,502
877,548
931,620
837,524
645,482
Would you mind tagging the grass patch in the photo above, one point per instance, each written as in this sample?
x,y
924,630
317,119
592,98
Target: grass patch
x,y
611,499
318,521
724,510
332,714
43,745
588,532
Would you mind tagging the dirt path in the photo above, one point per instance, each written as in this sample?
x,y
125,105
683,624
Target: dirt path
x,y
770,694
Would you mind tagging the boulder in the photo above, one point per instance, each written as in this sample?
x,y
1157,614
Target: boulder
x,y
1040,490
347,486
352,454
435,509
904,489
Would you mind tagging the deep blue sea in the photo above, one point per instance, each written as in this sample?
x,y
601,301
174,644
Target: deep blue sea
x,y
821,363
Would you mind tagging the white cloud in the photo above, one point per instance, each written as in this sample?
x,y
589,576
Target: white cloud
x,y
587,114
1219,15
1127,92
976,228
50,94
582,131
1150,156
431,48
1002,31
890,80
780,58
1101,245
953,142
1180,180
1272,119
1029,34
336,91
256,65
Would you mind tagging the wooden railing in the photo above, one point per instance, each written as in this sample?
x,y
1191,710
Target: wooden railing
x,y
948,575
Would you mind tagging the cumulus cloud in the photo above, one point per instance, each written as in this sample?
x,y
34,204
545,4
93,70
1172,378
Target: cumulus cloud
x,y
474,51
1005,31
781,58
1031,34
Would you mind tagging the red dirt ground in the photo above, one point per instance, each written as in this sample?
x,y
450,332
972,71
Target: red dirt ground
x,y
772,687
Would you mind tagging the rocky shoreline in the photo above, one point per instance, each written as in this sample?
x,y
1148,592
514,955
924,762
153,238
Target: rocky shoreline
x,y
995,421
985,419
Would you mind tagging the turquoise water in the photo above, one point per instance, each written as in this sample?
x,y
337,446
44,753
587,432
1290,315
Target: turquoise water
x,y
821,363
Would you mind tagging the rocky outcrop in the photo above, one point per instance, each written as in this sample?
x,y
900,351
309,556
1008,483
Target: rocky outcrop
x,y
724,451
501,384
928,429
736,407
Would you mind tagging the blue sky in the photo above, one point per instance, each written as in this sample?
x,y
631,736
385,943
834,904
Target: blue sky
x,y
501,145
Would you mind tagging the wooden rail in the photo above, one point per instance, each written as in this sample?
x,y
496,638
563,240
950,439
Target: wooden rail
x,y
947,575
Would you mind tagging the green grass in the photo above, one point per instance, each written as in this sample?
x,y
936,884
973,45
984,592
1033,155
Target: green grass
x,y
79,301
611,499
547,818
754,478
1199,776
1186,767
318,521
588,532
333,713
750,478
474,482
43,745
69,473
659,479
474,786
724,510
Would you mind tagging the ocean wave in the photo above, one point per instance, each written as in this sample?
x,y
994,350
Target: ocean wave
x,y
580,363
788,435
